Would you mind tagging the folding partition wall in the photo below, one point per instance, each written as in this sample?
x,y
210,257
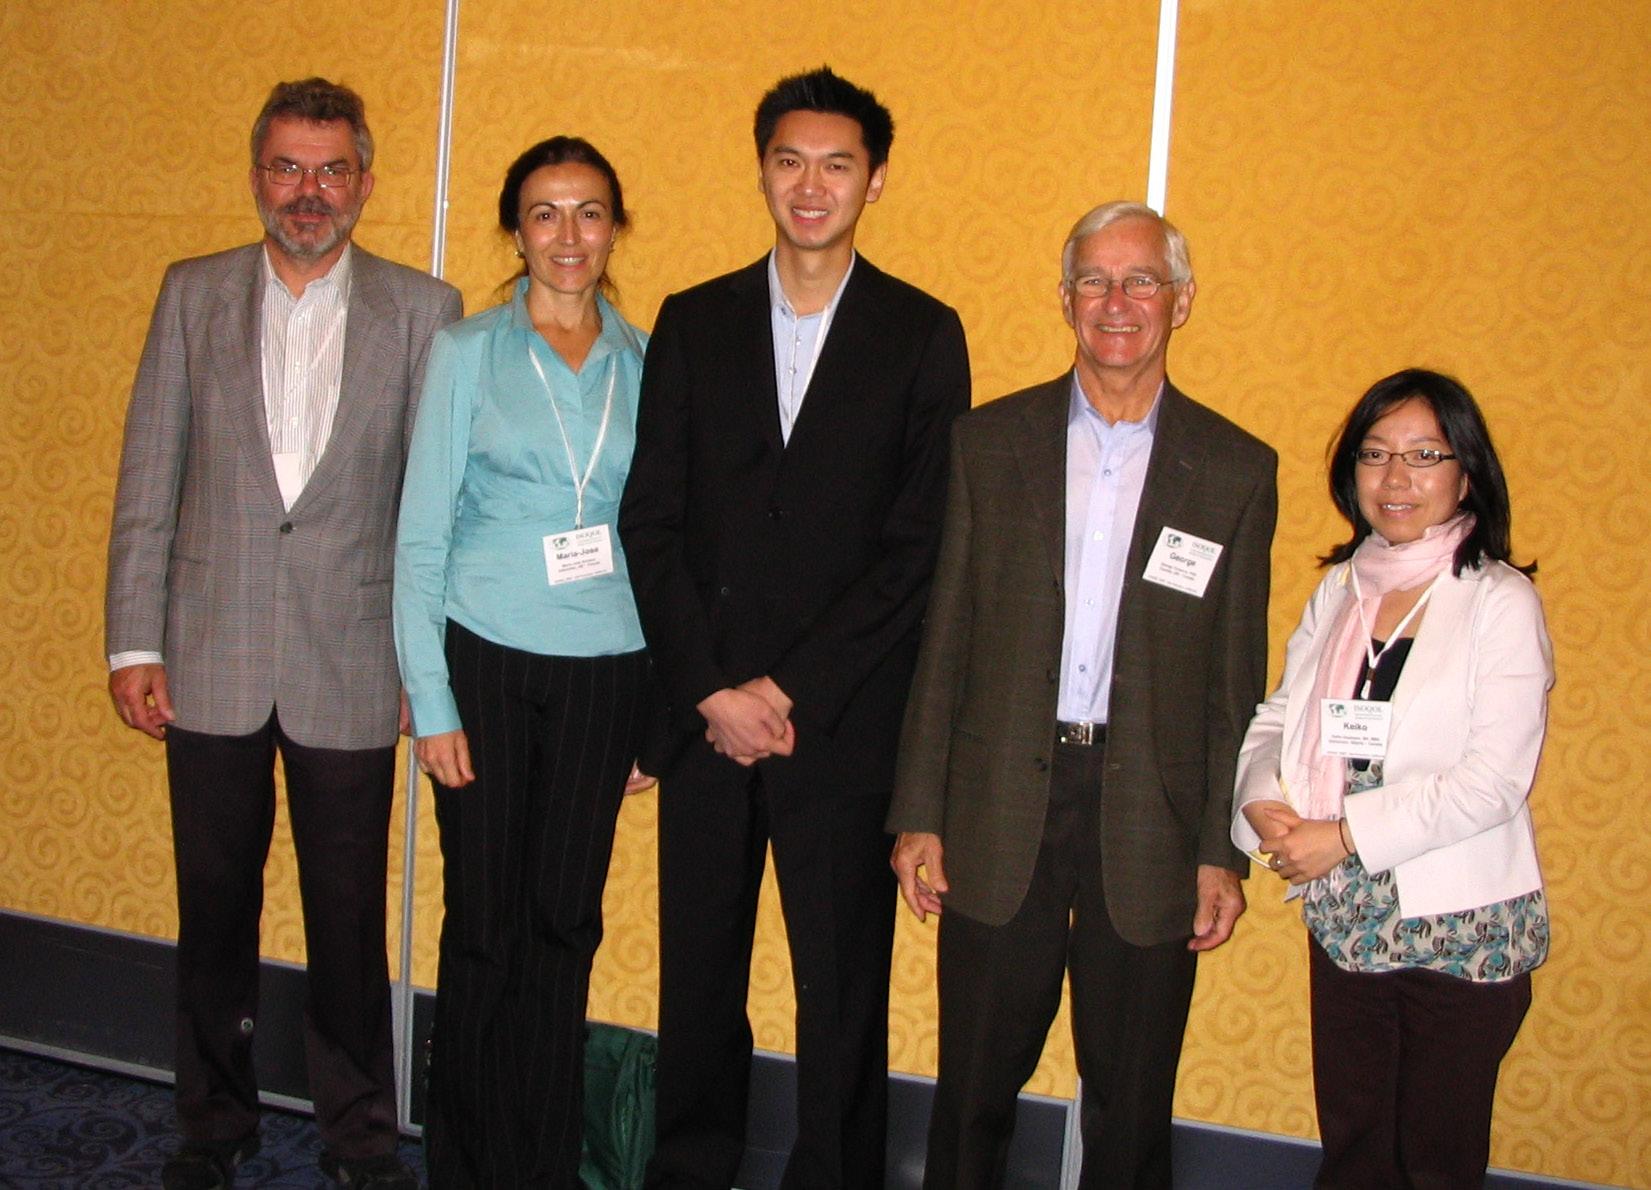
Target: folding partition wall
x,y
1364,188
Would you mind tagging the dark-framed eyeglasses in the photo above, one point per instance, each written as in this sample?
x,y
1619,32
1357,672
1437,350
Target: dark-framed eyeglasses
x,y
1139,286
1426,456
290,173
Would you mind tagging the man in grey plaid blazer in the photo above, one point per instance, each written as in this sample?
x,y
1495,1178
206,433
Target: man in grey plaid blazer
x,y
249,612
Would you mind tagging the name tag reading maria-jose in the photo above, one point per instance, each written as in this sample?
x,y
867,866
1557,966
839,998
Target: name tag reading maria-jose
x,y
577,554
1182,562
1354,727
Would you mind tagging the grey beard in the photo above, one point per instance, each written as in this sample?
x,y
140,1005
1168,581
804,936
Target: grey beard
x,y
343,223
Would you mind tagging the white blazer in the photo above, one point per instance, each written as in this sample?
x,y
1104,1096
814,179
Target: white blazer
x,y
1451,818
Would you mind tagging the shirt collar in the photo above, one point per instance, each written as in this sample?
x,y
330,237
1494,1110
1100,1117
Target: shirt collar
x,y
338,276
1078,406
615,336
782,305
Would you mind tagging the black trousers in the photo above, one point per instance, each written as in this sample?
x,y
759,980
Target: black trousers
x,y
837,896
525,850
223,811
1404,1073
1000,987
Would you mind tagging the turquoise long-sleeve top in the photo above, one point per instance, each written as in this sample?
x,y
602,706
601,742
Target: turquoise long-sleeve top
x,y
488,480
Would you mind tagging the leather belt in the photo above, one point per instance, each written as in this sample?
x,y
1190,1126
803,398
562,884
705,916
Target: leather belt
x,y
1084,735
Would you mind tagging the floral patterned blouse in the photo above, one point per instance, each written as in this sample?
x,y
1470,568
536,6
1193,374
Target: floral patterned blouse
x,y
1354,914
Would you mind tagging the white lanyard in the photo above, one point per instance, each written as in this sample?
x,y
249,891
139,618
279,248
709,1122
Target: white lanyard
x,y
1370,654
580,482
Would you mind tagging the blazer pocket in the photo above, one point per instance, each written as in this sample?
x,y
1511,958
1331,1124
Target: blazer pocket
x,y
373,600
187,577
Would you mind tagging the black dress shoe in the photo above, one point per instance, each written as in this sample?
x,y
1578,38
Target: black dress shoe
x,y
385,1171
207,1164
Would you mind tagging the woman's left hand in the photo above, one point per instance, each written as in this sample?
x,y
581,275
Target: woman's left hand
x,y
638,781
1303,849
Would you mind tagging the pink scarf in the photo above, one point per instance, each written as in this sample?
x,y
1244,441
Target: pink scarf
x,y
1380,567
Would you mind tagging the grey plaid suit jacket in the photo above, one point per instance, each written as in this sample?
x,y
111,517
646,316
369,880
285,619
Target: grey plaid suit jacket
x,y
254,606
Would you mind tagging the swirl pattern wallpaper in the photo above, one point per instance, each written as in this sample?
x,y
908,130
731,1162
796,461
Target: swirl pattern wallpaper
x,y
1365,188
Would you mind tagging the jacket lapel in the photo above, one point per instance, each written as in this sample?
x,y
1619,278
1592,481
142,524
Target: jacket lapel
x,y
1441,634
751,347
235,337
368,330
1041,453
1177,457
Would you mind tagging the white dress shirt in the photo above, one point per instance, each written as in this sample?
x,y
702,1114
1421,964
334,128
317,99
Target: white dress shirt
x,y
1106,470
798,341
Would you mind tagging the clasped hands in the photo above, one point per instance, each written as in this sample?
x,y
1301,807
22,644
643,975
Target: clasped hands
x,y
749,722
1301,849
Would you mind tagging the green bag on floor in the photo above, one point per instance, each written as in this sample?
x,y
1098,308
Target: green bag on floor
x,y
619,1107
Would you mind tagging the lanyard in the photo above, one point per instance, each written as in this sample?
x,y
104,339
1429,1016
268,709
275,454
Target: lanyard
x,y
1371,656
580,482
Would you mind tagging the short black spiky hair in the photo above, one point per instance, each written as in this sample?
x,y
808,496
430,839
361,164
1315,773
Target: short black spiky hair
x,y
824,91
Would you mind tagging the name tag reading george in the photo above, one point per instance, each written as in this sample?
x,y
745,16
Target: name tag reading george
x,y
577,554
1354,727
1182,562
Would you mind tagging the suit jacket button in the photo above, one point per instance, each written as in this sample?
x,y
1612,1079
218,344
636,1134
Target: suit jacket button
x,y
1041,765
723,591
286,527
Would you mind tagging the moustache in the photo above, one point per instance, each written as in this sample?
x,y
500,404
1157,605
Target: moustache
x,y
308,205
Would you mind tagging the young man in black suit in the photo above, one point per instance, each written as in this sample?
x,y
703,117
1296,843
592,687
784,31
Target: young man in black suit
x,y
781,523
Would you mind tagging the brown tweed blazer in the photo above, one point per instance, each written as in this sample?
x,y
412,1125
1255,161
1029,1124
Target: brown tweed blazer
x,y
980,724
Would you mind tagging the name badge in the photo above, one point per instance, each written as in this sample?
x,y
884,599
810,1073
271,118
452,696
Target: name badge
x,y
1354,727
577,554
1182,562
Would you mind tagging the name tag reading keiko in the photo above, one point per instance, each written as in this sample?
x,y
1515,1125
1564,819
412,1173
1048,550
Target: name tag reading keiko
x,y
1355,727
1182,562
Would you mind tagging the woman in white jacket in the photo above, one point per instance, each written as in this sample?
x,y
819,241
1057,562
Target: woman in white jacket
x,y
1387,780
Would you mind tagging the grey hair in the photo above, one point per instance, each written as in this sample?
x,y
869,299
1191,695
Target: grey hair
x,y
319,102
1176,254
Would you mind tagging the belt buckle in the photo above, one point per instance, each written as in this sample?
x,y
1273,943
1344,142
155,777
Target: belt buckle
x,y
1081,734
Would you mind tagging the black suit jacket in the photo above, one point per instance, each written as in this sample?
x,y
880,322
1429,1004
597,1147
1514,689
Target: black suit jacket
x,y
807,561
1187,675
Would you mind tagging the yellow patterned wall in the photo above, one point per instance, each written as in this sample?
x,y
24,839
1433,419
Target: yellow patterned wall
x,y
1004,133
1365,187
1461,186
123,146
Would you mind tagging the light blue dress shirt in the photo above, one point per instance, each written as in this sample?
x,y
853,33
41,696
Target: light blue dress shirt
x,y
1106,470
798,341
488,480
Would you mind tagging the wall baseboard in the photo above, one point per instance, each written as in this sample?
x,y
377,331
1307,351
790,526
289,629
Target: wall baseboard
x,y
105,999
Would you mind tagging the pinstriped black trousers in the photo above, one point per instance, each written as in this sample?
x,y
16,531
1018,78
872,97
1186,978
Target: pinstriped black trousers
x,y
525,850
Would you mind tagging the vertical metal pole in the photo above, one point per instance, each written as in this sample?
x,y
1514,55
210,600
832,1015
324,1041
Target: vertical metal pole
x,y
1163,96
402,994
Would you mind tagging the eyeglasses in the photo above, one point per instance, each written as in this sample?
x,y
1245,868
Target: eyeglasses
x,y
1139,286
1375,456
290,173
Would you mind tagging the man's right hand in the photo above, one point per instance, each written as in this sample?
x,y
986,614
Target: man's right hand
x,y
743,726
446,757
141,698
914,850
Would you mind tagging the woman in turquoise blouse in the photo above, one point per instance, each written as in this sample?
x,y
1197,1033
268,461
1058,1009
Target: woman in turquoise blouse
x,y
523,661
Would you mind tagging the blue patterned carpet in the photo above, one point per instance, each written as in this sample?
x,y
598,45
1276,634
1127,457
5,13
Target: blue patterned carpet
x,y
66,1128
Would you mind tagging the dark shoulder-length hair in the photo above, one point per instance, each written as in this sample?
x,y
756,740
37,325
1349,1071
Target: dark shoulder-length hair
x,y
1464,429
557,150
